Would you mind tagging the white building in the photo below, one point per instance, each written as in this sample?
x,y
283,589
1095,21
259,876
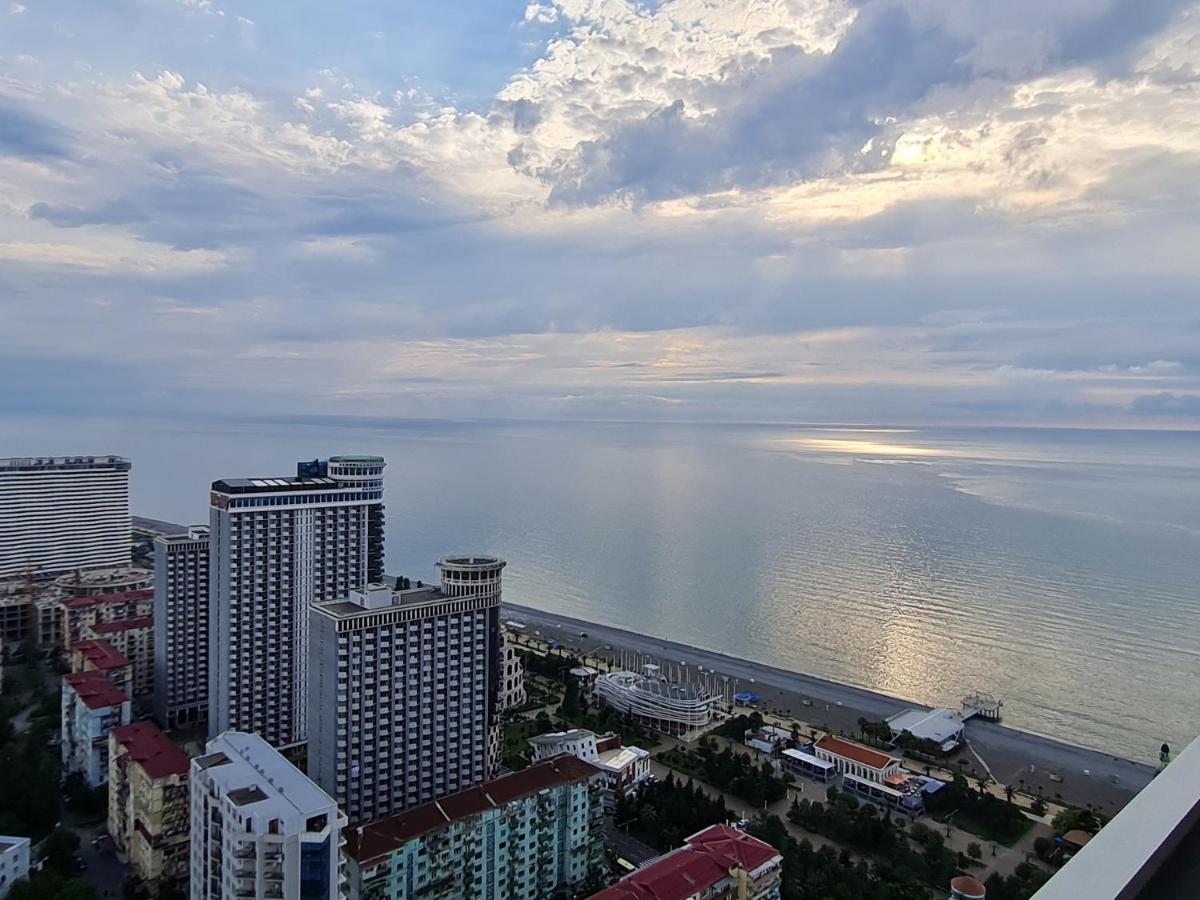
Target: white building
x,y
259,827
181,628
945,727
856,760
63,513
670,705
625,768
512,685
279,545
91,708
14,861
404,692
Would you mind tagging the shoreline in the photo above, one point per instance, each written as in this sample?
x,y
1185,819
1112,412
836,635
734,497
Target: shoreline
x,y
1007,753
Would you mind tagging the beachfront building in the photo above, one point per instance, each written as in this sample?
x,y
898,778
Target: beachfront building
x,y
404,691
148,805
91,708
259,827
943,727
525,836
718,863
804,762
277,546
101,656
512,683
14,861
856,760
625,768
649,696
134,640
181,628
63,513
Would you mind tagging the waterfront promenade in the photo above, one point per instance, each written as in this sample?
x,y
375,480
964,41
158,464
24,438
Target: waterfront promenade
x,y
1008,753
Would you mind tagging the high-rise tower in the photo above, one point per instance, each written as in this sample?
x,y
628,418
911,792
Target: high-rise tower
x,y
404,694
278,545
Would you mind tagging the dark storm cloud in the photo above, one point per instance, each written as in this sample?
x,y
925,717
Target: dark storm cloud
x,y
26,134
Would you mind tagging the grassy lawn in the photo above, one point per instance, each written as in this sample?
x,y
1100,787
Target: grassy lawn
x,y
516,743
1006,836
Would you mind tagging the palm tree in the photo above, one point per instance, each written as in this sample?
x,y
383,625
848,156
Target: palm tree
x,y
1009,790
862,727
983,782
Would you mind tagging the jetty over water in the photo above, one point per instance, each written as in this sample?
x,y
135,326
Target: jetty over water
x,y
983,705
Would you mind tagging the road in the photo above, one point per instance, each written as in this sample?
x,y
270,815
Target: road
x,y
1007,752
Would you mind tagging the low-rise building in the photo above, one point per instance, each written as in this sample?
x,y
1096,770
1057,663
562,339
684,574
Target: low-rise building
x,y
259,827
133,639
520,837
101,656
767,739
854,759
512,679
148,808
91,708
14,861
718,863
943,727
804,762
93,610
625,768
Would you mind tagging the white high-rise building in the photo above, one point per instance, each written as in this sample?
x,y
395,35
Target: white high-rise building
x,y
404,699
181,628
259,827
63,513
276,546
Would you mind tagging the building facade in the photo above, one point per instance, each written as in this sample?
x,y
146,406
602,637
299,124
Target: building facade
x,y
91,708
63,513
856,760
14,861
718,863
404,690
79,613
512,685
625,768
133,639
148,804
520,837
181,628
259,827
101,656
278,545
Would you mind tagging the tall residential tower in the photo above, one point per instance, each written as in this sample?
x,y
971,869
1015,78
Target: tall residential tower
x,y
181,628
63,513
278,545
404,695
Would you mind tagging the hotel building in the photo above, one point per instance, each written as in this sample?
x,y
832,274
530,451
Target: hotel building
x,y
277,546
525,836
181,628
259,828
404,691
91,708
63,513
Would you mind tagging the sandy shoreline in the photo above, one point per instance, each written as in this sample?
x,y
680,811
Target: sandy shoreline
x,y
1109,784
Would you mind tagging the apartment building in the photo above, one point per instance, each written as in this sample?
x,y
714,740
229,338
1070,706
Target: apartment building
x,y
277,546
134,640
181,628
79,613
259,827
102,657
148,803
14,861
404,693
63,513
525,836
91,708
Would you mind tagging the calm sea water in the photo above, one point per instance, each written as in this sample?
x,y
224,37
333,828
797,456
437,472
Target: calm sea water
x,y
1058,570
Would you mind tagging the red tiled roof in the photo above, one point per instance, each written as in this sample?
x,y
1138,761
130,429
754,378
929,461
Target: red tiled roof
x,y
732,848
151,749
101,654
123,597
678,875
123,625
708,858
857,752
375,839
96,691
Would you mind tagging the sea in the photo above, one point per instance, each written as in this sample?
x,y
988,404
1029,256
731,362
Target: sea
x,y
1057,569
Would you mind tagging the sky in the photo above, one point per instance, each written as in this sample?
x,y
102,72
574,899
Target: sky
x,y
910,211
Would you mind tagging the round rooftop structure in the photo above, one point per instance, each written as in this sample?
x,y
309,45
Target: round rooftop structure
x,y
965,887
471,574
356,468
95,582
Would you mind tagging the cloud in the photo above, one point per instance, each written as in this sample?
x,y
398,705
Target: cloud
x,y
15,9
26,134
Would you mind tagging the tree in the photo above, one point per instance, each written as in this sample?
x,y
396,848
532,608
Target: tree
x,y
974,850
1075,818
1038,806
58,851
1009,790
